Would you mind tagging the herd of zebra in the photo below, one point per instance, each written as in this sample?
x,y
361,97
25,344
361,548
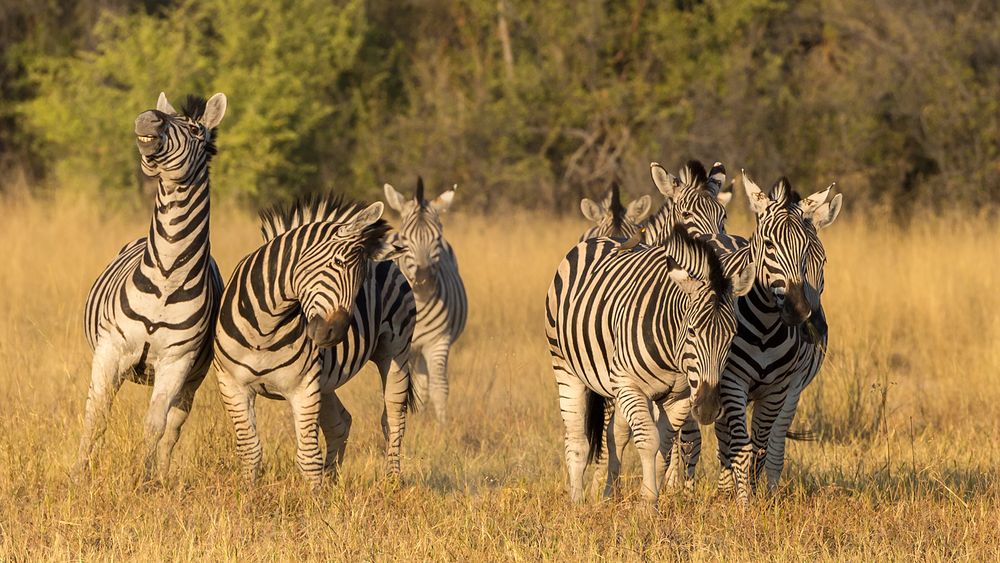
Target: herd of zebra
x,y
654,324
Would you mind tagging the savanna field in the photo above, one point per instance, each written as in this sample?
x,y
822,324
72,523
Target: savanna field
x,y
906,411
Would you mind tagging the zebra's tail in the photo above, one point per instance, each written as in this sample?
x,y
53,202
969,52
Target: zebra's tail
x,y
802,435
595,424
411,394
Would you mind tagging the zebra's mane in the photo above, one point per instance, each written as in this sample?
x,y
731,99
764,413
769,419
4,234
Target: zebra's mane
x,y
693,175
783,193
720,283
615,208
327,208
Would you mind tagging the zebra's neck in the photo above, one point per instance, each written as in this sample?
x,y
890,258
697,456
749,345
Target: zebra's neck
x,y
658,224
178,244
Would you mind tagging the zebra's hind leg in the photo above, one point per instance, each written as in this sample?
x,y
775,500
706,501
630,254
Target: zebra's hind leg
x,y
106,378
176,417
436,358
765,412
573,407
238,399
396,392
684,453
335,422
170,379
635,406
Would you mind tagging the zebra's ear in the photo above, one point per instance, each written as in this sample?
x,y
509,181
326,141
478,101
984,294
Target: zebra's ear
x,y
162,105
811,203
395,199
667,183
758,199
215,110
591,210
826,214
442,202
743,280
716,178
364,218
638,208
389,252
725,196
684,281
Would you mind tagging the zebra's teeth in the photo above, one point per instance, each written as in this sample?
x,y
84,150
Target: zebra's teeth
x,y
146,138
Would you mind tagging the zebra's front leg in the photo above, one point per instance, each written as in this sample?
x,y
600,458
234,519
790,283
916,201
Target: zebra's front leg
x,y
397,393
774,460
684,454
170,379
238,400
573,408
617,440
738,450
436,358
335,422
669,418
176,417
599,482
306,402
765,413
419,379
105,380
634,405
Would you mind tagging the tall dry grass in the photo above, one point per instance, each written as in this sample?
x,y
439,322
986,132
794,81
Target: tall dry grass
x,y
906,406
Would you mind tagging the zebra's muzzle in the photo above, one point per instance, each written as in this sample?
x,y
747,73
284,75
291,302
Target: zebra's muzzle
x,y
795,308
148,129
330,331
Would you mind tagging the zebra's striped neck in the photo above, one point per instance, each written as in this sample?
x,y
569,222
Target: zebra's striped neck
x,y
177,246
658,224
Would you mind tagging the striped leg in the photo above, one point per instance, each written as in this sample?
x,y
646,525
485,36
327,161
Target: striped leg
x,y
170,379
396,382
239,403
684,454
670,418
335,422
617,440
105,380
179,412
765,411
305,403
775,456
420,379
740,453
599,483
634,405
726,484
436,358
573,407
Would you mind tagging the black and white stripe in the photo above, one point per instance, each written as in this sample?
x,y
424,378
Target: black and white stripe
x,y
782,335
429,264
149,315
633,326
301,315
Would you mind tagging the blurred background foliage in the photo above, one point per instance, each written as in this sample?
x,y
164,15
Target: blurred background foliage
x,y
522,104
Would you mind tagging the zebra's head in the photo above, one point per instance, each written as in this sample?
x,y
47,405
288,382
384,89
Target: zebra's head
x,y
695,199
329,272
422,235
786,247
175,146
709,317
611,217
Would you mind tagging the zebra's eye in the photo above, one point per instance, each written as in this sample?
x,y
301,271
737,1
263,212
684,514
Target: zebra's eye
x,y
768,244
194,129
687,214
691,333
338,262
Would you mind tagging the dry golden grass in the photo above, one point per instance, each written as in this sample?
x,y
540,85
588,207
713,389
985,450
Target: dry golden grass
x,y
915,331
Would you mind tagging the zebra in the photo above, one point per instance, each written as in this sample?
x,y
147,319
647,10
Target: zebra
x,y
430,266
149,315
696,201
611,218
618,329
782,336
301,315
